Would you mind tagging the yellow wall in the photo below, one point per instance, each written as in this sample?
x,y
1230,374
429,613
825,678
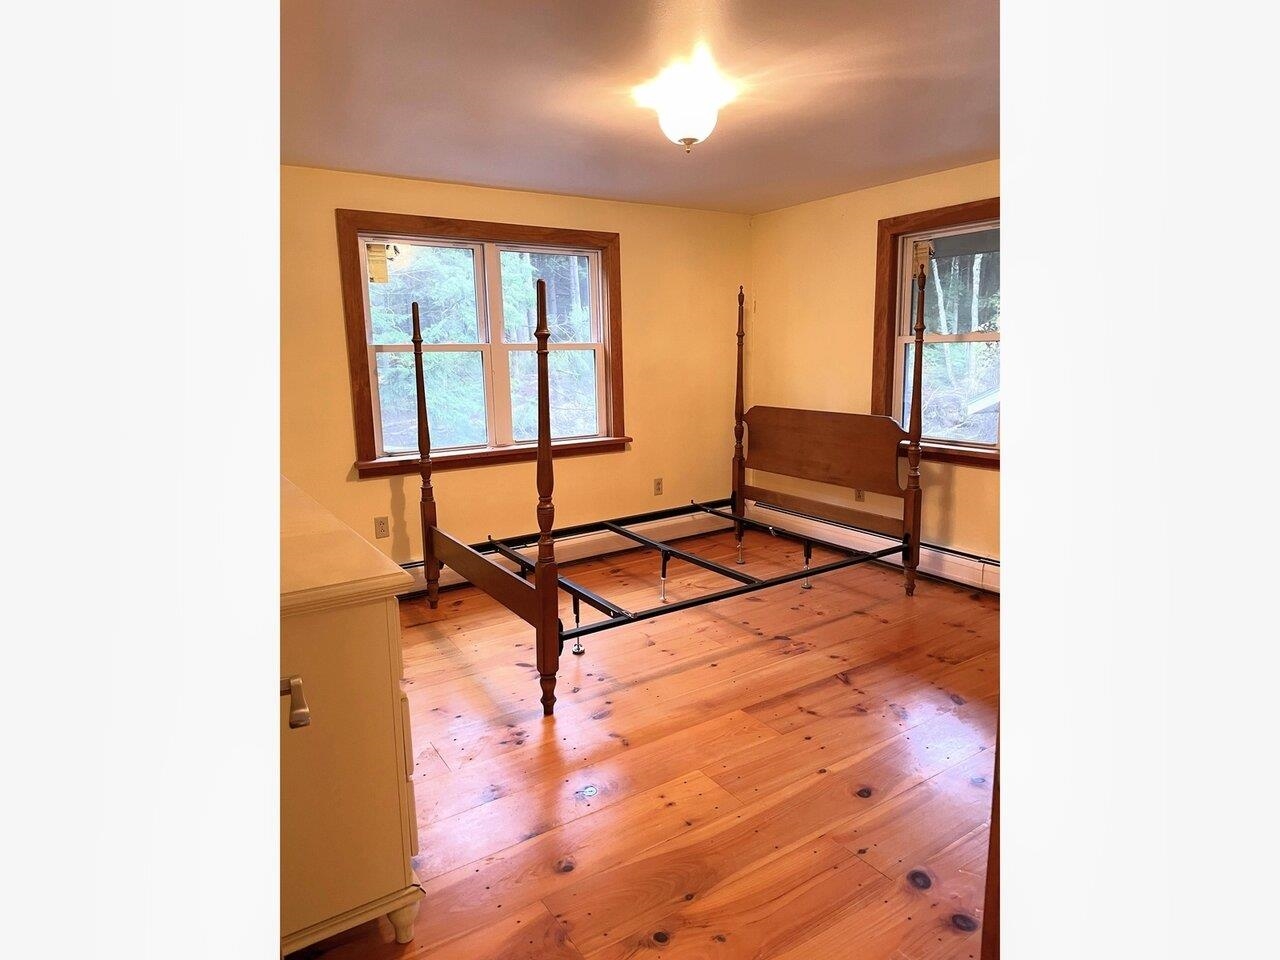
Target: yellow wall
x,y
810,332
810,276
680,274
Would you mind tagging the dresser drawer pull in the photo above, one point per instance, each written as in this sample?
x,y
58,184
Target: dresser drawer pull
x,y
406,725
299,712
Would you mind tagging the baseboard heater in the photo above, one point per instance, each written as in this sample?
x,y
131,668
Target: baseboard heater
x,y
936,561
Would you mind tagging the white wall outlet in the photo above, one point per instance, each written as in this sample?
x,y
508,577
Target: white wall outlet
x,y
657,486
860,495
381,527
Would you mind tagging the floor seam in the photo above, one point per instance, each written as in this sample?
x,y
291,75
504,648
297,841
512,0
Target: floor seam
x,y
563,928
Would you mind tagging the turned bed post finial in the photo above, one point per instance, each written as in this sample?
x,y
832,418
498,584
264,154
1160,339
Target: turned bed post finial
x,y
917,367
739,463
546,578
427,504
911,503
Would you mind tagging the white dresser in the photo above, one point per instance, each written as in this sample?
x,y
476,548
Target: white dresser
x,y
347,821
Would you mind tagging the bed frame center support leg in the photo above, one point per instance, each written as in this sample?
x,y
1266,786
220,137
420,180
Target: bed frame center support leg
x,y
740,557
662,580
578,648
808,555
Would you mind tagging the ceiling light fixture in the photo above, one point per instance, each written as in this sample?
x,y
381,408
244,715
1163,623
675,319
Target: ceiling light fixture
x,y
687,96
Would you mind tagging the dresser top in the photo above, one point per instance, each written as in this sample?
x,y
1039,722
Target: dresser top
x,y
324,563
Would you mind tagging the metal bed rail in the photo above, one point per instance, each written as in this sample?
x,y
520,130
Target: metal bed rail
x,y
582,631
595,526
770,529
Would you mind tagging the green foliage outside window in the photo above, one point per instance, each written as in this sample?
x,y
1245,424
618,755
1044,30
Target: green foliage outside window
x,y
961,379
442,280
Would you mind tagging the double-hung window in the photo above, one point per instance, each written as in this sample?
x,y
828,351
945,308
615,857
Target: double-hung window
x,y
474,286
959,248
961,333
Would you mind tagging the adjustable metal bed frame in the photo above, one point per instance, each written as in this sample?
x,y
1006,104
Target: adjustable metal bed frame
x,y
859,451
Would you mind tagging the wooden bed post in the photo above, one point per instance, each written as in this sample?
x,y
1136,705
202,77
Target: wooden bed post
x,y
430,564
739,464
545,577
911,502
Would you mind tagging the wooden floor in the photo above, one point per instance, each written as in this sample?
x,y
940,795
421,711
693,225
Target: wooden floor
x,y
790,774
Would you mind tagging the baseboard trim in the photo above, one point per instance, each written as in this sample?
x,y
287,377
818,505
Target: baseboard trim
x,y
936,561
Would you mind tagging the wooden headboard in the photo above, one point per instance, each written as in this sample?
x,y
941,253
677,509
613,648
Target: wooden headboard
x,y
853,450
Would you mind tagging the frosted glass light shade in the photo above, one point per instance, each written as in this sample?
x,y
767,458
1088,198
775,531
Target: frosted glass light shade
x,y
687,96
688,123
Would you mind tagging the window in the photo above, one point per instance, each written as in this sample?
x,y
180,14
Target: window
x,y
474,286
961,388
960,247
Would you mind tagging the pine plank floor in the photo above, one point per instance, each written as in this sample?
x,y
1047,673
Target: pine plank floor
x,y
790,774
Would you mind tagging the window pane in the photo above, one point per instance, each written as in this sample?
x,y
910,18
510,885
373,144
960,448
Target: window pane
x,y
573,394
962,292
568,279
455,400
961,391
441,279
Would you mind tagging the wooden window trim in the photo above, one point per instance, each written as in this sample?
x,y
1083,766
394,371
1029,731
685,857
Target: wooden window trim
x,y
453,460
352,223
942,452
888,234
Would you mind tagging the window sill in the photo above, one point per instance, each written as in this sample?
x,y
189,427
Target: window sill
x,y
938,452
408,463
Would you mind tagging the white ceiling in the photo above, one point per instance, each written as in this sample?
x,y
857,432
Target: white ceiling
x,y
841,94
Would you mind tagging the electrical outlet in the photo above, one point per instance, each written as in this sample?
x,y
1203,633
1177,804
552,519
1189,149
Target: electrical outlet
x,y
381,527
657,487
860,495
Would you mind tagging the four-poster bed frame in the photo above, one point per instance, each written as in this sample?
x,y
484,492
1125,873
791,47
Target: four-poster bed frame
x,y
858,451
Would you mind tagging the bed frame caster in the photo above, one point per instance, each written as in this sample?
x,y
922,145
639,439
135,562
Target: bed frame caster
x,y
578,649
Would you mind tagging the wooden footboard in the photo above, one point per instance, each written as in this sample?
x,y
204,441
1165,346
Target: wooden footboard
x,y
517,595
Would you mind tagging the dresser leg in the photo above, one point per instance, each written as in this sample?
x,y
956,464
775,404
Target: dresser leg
x,y
402,919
